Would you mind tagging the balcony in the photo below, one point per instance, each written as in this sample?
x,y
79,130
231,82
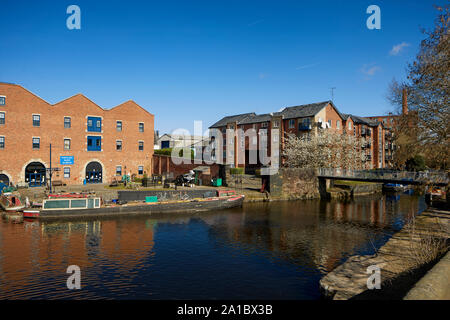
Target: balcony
x,y
304,127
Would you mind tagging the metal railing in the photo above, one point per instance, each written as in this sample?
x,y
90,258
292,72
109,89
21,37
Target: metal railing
x,y
425,177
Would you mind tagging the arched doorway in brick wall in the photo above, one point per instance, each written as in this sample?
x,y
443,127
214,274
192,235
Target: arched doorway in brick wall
x,y
94,172
35,174
4,179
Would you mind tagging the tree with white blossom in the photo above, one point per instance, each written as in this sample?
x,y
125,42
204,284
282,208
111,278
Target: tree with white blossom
x,y
324,149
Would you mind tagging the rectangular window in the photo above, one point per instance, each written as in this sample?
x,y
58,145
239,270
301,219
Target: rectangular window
x,y
66,172
2,100
141,127
66,144
94,143
67,122
141,145
264,125
141,170
291,123
305,124
349,126
118,170
94,124
338,124
36,143
330,123
276,124
119,125
2,142
36,120
2,118
118,145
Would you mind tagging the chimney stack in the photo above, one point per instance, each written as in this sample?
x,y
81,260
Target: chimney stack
x,y
404,102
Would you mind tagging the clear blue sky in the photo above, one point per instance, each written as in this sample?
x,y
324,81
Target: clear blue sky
x,y
201,60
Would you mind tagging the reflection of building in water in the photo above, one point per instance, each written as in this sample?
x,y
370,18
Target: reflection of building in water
x,y
320,233
32,248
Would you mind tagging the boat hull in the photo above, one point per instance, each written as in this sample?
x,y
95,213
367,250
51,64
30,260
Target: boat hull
x,y
31,214
142,209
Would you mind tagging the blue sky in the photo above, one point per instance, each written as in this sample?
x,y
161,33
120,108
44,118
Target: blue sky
x,y
201,60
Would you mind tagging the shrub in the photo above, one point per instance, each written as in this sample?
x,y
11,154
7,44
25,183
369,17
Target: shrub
x,y
168,152
236,170
416,163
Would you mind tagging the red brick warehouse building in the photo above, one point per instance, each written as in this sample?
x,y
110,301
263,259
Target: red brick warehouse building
x,y
88,142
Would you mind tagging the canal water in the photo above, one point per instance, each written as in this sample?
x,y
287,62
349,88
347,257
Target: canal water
x,y
277,250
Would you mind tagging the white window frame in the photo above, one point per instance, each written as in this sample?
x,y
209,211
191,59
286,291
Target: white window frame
x,y
36,115
70,143
32,143
291,124
64,172
70,122
121,145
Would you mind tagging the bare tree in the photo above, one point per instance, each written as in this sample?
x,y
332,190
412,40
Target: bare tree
x,y
425,129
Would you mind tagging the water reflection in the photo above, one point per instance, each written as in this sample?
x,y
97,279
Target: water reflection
x,y
264,250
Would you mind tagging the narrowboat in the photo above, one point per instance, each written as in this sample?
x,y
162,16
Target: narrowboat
x,y
10,202
393,187
435,194
67,207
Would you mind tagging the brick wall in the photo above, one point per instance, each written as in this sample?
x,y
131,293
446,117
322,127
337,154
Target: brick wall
x,y
18,131
165,164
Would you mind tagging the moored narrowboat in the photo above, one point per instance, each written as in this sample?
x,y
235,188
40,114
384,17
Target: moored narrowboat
x,y
67,207
10,202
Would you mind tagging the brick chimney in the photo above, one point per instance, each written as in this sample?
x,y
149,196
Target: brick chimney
x,y
404,102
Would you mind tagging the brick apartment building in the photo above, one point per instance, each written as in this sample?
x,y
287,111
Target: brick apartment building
x,y
297,120
88,143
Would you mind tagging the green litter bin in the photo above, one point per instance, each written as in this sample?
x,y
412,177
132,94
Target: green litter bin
x,y
217,182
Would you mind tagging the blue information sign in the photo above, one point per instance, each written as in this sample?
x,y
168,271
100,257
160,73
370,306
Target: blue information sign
x,y
65,160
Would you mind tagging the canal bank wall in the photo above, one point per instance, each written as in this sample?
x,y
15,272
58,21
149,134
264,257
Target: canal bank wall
x,y
401,261
350,189
294,184
435,285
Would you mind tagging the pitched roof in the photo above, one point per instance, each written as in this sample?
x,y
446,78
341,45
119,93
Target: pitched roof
x,y
236,118
256,118
306,110
361,120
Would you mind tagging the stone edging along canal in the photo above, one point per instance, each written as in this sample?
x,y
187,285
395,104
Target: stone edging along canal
x,y
402,255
